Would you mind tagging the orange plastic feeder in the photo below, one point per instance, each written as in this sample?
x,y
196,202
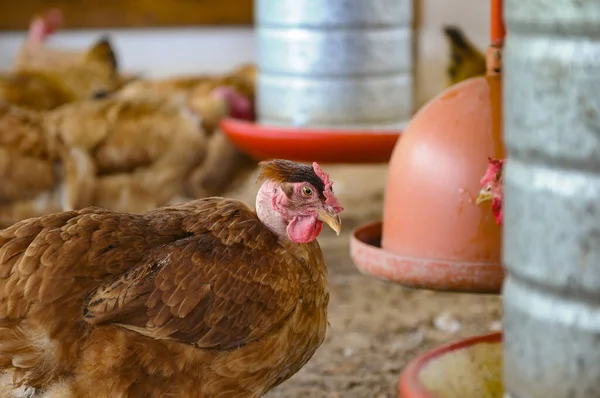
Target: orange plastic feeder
x,y
433,234
370,258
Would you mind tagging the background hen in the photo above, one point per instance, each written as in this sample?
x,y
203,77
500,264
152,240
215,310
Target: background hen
x,y
43,88
205,299
136,145
26,163
466,60
27,167
115,151
34,54
111,153
492,188
211,97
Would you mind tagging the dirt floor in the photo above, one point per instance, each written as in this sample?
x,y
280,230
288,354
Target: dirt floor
x,y
376,327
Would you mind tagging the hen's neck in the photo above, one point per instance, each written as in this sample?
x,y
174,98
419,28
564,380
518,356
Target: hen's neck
x,y
265,211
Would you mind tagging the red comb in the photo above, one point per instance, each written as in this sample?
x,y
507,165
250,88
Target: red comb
x,y
240,107
493,181
493,170
330,198
42,26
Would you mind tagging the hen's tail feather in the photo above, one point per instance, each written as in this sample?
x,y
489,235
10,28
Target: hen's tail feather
x,y
466,61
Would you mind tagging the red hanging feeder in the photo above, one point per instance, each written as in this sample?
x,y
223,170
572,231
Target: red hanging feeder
x,y
308,145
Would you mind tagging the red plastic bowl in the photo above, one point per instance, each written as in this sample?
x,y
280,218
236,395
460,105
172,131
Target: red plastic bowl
x,y
304,145
442,275
467,368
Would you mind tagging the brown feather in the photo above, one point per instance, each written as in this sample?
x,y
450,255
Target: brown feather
x,y
48,88
227,286
197,300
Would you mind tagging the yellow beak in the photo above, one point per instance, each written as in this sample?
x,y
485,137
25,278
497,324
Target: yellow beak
x,y
484,196
334,222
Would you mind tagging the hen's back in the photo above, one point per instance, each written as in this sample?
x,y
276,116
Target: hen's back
x,y
47,259
49,264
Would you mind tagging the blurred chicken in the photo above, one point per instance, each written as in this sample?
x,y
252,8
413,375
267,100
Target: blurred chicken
x,y
126,154
213,98
210,299
225,166
492,188
466,60
224,169
94,75
26,162
242,79
136,146
35,54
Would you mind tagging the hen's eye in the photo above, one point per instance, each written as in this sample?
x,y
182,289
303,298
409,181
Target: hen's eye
x,y
307,191
100,94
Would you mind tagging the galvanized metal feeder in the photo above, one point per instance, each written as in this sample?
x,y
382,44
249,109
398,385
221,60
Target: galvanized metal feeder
x,y
335,80
552,199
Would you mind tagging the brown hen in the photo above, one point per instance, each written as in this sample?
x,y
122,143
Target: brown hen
x,y
35,54
205,299
466,61
112,153
134,144
28,177
26,163
213,98
43,88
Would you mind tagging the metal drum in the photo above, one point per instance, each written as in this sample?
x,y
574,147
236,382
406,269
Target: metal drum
x,y
552,199
334,62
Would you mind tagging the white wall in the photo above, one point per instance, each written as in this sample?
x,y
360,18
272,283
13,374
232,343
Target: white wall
x,y
156,52
207,50
472,16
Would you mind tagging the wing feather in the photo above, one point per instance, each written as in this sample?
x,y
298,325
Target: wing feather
x,y
228,284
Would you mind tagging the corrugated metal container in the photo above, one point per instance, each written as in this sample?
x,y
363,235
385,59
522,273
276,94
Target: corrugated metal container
x,y
334,62
552,204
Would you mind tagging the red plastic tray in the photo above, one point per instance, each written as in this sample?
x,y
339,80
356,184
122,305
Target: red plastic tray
x,y
308,145
410,385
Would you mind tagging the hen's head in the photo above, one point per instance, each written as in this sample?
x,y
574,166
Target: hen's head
x,y
295,200
239,106
492,187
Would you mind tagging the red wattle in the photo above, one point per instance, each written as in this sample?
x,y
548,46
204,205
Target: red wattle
x,y
304,229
